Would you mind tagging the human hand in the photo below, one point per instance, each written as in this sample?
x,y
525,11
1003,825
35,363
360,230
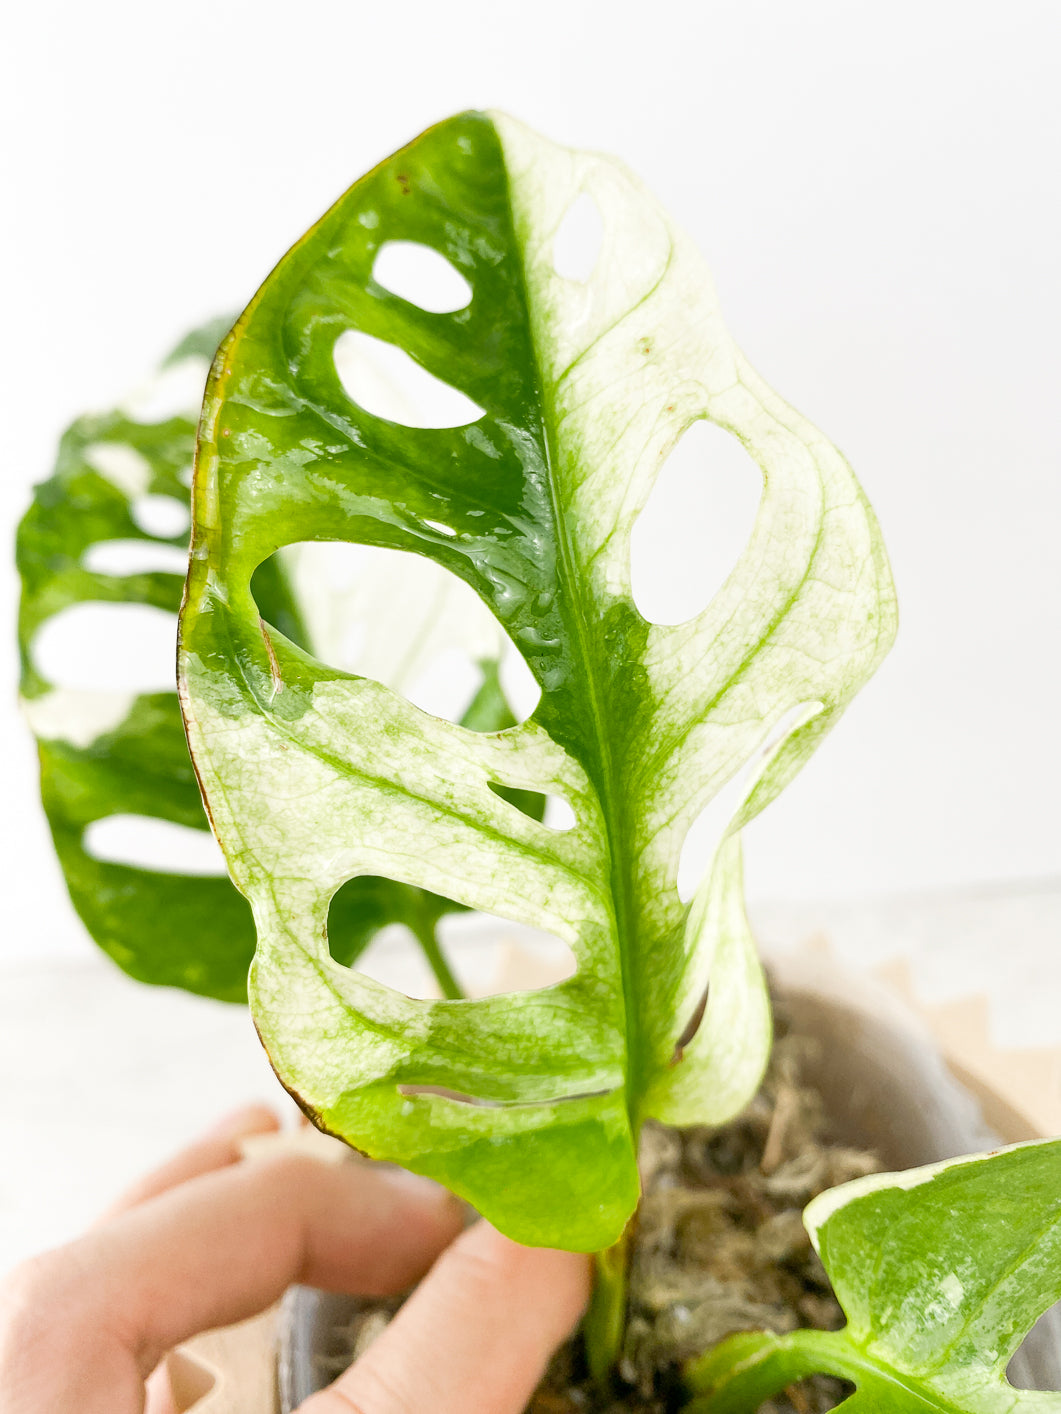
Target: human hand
x,y
209,1240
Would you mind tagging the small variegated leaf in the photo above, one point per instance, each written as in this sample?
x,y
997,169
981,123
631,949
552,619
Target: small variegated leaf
x,y
572,393
941,1271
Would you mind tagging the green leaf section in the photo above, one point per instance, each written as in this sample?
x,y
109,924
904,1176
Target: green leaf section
x,y
105,753
527,1104
108,753
941,1272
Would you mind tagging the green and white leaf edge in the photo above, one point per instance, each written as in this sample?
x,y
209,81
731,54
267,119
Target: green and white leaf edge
x,y
406,612
646,327
628,361
941,1271
105,752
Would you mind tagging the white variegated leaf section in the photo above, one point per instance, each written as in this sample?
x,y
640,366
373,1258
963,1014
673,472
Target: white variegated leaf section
x,y
630,359
365,783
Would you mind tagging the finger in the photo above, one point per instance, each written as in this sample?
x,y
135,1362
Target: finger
x,y
218,1148
477,1334
214,1251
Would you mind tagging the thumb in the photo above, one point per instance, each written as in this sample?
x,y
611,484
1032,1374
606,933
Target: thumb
x,y
476,1334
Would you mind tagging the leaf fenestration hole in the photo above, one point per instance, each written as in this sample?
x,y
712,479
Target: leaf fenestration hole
x,y
76,716
385,381
705,833
175,391
446,685
146,842
455,1095
559,815
480,1103
1036,1363
386,952
493,956
108,648
578,240
162,516
400,618
125,557
553,811
695,525
123,466
518,683
421,276
814,1392
487,955
691,1027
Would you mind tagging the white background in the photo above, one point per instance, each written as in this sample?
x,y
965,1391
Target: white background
x,y
877,190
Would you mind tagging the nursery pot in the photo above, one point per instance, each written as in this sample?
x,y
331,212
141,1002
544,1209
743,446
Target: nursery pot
x,y
886,1088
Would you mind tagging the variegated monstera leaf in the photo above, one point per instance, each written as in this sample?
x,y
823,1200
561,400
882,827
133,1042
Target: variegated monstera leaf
x,y
527,1104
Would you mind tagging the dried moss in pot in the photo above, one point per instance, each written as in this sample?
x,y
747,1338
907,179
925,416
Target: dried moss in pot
x,y
720,1243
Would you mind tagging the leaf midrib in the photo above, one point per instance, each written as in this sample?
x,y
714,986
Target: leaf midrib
x,y
605,777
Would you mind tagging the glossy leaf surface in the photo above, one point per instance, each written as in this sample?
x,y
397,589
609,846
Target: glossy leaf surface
x,y
941,1272
528,1104
106,753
